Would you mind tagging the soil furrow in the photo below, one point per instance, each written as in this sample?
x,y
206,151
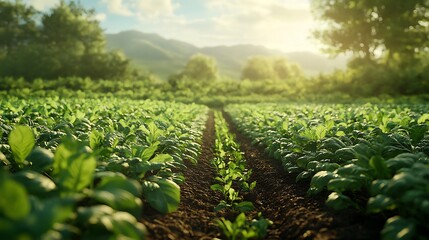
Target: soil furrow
x,y
195,217
283,201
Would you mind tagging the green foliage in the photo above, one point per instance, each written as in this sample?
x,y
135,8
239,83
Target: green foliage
x,y
17,26
231,169
69,42
242,228
21,141
388,42
363,27
162,194
74,165
263,68
92,193
348,150
15,203
398,228
200,70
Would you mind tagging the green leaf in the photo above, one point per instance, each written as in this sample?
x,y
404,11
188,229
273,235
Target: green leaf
x,y
398,228
21,141
95,139
120,199
79,173
404,160
351,170
303,161
321,131
380,203
319,181
423,118
380,167
417,132
125,226
111,180
149,151
343,184
345,154
35,183
14,200
303,175
76,165
240,220
221,205
165,198
120,225
217,187
50,212
40,159
162,158
121,194
339,201
379,186
244,206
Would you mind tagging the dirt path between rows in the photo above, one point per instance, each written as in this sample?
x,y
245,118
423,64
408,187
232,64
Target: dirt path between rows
x,y
194,218
295,215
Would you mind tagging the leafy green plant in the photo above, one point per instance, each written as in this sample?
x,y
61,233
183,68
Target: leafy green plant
x,y
350,150
231,168
110,158
242,228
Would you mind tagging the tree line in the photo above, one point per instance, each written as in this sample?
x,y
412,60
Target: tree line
x,y
66,41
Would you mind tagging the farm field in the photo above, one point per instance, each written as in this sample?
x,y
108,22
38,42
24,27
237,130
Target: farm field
x,y
134,169
277,119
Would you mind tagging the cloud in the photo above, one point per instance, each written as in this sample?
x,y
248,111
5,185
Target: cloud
x,y
42,4
155,8
141,8
118,7
100,17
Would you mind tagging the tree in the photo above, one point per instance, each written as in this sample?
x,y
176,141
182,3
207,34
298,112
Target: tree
x,y
201,68
284,70
77,42
69,42
367,27
258,68
17,26
266,68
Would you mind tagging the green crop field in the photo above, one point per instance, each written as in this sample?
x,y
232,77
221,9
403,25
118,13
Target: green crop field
x,y
81,167
379,152
85,168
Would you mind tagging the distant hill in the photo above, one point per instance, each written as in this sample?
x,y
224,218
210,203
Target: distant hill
x,y
168,56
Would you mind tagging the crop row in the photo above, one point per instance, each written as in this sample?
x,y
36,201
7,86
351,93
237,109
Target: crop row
x,y
85,168
233,179
355,152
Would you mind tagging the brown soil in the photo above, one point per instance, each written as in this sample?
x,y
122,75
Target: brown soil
x,y
195,217
295,215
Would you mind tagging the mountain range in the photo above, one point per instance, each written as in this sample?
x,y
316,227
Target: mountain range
x,y
164,57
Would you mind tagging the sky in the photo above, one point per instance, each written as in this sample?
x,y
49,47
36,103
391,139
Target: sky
x,y
279,24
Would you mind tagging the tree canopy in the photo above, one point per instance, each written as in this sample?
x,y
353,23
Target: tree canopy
x,y
370,27
201,67
66,41
264,68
